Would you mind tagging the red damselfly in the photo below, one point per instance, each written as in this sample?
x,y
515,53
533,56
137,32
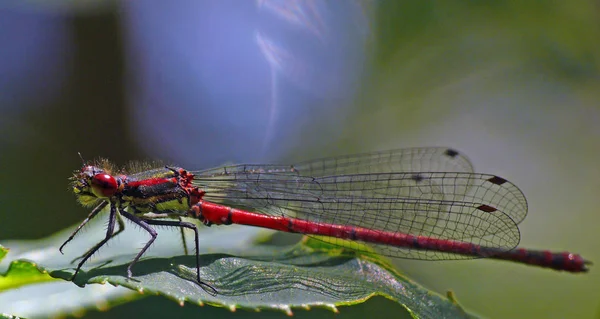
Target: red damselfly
x,y
417,203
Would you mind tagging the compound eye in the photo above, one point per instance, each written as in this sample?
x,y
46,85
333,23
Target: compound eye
x,y
103,185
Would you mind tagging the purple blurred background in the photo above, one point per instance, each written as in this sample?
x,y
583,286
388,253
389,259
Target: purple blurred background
x,y
221,81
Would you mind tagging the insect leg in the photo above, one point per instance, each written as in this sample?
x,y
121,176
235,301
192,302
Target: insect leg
x,y
93,214
109,232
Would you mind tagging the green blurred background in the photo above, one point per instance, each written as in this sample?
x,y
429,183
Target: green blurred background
x,y
514,85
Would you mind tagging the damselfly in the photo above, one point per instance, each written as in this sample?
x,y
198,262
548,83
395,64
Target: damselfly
x,y
417,203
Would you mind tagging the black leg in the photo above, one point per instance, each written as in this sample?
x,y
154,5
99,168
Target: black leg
x,y
109,232
185,250
93,214
144,224
121,225
182,225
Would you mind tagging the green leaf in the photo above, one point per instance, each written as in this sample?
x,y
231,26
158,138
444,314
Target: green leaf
x,y
245,273
26,289
20,273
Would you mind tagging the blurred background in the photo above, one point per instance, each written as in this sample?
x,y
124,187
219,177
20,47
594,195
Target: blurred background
x,y
514,85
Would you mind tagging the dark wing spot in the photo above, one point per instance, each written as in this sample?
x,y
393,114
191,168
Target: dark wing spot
x,y
497,180
451,153
487,208
417,178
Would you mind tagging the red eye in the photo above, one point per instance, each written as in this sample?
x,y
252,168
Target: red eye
x,y
104,185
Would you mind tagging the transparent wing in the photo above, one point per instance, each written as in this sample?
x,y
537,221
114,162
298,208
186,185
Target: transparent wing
x,y
478,208
432,159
